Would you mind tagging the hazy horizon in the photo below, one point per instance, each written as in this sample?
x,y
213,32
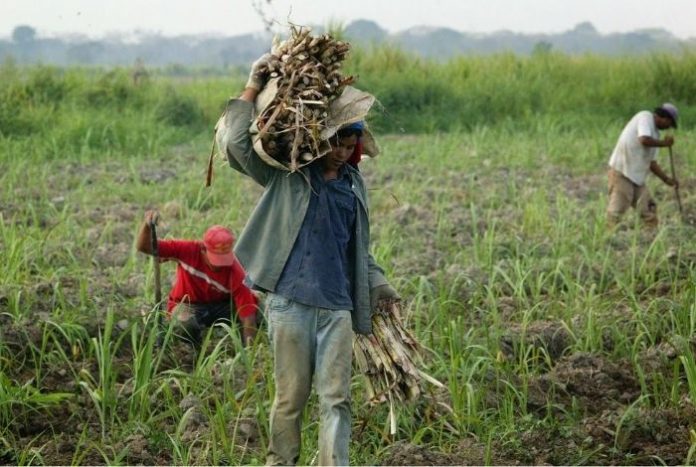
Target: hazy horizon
x,y
99,19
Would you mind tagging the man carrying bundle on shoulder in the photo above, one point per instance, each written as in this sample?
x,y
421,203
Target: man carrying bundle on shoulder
x,y
634,157
307,246
209,284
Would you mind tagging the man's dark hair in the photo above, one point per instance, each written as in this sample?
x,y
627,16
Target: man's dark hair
x,y
348,132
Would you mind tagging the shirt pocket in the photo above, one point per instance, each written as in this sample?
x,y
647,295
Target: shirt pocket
x,y
346,205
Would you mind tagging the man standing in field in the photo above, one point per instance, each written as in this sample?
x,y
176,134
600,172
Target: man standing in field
x,y
307,245
209,282
633,158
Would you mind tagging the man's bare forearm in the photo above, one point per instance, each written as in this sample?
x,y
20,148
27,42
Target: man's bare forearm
x,y
657,170
650,142
249,95
143,243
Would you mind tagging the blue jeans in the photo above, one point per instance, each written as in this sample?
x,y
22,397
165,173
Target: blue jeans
x,y
309,343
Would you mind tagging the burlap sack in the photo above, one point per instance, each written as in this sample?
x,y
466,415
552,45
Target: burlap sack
x,y
352,106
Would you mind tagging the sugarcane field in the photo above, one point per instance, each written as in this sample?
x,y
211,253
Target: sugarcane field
x,y
342,252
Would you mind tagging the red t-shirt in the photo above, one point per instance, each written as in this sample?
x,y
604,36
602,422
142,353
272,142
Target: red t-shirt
x,y
196,282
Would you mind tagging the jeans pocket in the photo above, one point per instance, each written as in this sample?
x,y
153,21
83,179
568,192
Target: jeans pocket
x,y
278,303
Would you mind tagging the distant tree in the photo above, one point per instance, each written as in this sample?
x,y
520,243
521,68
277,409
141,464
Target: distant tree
x,y
542,48
365,31
23,34
585,27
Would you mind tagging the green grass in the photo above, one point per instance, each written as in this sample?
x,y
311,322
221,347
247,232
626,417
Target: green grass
x,y
487,214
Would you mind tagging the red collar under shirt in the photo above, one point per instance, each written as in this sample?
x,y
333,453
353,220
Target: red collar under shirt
x,y
196,282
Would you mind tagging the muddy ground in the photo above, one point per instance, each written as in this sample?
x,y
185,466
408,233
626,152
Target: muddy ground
x,y
602,390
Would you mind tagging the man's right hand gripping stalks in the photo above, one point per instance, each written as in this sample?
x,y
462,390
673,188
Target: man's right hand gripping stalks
x,y
261,70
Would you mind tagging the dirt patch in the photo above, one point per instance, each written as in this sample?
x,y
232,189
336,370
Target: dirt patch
x,y
549,446
643,436
581,187
659,358
622,436
156,175
138,449
553,338
112,255
595,383
467,452
415,223
461,282
75,416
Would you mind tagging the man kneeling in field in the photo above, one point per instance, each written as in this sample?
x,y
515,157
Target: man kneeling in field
x,y
209,284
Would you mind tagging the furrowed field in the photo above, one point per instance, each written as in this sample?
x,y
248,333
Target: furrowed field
x,y
559,341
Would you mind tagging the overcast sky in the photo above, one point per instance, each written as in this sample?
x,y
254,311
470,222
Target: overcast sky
x,y
97,18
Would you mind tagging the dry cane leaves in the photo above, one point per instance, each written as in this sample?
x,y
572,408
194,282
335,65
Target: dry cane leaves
x,y
308,69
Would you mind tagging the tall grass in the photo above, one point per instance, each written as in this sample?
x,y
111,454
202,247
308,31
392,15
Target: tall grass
x,y
424,95
92,111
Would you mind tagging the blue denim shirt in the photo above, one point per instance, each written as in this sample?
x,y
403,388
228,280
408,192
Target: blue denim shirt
x,y
317,271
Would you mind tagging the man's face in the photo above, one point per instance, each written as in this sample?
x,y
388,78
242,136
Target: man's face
x,y
207,261
663,123
341,151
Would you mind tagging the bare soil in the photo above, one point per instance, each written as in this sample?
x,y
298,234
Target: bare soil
x,y
603,390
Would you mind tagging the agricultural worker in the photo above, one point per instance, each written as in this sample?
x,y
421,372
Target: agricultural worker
x,y
633,158
208,287
307,246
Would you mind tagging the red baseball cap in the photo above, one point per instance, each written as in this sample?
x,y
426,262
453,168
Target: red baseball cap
x,y
218,242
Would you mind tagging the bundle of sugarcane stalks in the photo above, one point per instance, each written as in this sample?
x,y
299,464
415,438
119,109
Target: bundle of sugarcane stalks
x,y
389,358
308,76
